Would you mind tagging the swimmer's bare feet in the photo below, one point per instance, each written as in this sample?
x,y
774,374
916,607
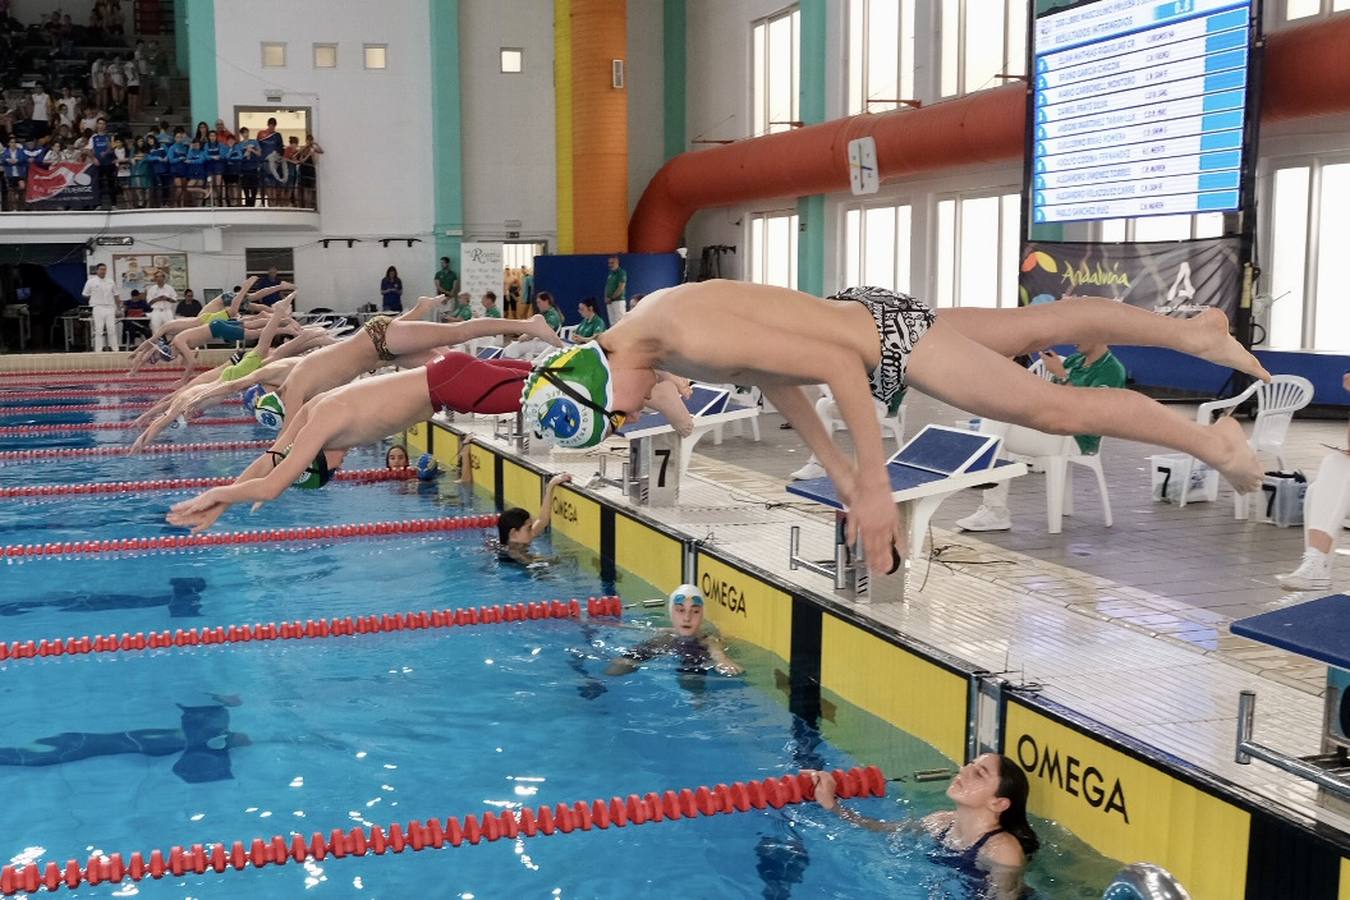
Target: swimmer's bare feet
x,y
1210,340
537,326
1235,459
424,304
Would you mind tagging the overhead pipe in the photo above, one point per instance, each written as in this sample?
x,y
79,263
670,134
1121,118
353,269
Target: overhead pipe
x,y
1305,74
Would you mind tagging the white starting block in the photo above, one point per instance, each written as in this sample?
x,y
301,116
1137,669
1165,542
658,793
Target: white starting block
x,y
936,463
658,457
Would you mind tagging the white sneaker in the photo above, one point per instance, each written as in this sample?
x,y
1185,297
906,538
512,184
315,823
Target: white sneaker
x,y
1313,574
986,518
811,470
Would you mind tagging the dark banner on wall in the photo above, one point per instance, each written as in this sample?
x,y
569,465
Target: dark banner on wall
x,y
62,186
1172,279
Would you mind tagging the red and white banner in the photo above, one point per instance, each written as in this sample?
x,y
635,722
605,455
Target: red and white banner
x,y
66,185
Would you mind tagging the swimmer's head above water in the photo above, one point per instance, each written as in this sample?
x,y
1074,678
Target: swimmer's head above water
x,y
996,783
685,606
514,527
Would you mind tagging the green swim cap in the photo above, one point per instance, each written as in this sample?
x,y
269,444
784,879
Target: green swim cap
x,y
270,411
568,397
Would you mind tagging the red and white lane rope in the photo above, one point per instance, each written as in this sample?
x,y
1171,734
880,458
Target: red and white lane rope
x,y
49,453
147,391
75,373
417,835
35,430
72,408
338,626
236,538
358,476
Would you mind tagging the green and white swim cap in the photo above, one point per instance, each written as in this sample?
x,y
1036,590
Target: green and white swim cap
x,y
270,411
567,399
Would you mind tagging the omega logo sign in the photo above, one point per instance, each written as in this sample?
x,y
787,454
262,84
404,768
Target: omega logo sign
x,y
1070,775
565,508
724,593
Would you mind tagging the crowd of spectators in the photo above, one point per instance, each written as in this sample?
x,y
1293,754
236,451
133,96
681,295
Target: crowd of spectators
x,y
76,94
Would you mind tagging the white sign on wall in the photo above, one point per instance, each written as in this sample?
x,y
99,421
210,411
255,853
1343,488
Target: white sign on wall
x,y
480,270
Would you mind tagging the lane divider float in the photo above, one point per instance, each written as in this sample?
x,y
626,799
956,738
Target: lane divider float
x,y
238,538
77,452
616,812
8,394
128,425
357,476
70,408
338,626
71,373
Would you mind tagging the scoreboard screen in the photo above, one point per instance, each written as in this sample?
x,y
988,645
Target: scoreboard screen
x,y
1138,108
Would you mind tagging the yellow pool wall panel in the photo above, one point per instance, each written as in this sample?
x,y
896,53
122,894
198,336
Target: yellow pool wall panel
x,y
744,608
445,448
416,437
577,517
647,553
521,486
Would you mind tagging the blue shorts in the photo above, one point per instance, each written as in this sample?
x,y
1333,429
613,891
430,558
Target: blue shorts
x,y
231,331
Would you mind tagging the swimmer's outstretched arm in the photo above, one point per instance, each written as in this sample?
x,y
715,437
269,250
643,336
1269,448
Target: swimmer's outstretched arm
x,y
824,791
541,521
465,463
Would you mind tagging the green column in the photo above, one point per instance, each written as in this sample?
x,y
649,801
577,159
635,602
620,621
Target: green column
x,y
811,102
673,38
447,150
180,39
200,31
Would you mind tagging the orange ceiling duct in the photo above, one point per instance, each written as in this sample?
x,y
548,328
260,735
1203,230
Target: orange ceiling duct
x,y
1305,73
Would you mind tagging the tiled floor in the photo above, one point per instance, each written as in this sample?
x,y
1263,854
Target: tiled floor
x,y
1110,621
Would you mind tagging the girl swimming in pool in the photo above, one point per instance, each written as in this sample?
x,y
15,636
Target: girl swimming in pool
x,y
697,651
987,837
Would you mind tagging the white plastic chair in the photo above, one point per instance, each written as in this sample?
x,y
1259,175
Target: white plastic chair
x,y
1056,455
829,413
741,396
1276,404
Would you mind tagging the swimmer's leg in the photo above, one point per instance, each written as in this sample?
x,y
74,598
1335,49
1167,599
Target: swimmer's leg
x,y
956,369
409,337
1089,320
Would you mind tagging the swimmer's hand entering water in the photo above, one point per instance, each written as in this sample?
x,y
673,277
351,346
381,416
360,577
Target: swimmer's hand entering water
x,y
199,513
873,517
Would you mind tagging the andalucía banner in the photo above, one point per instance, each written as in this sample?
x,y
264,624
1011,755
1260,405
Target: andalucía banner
x,y
1172,279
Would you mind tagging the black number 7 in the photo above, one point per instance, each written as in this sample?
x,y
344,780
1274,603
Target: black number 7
x,y
665,461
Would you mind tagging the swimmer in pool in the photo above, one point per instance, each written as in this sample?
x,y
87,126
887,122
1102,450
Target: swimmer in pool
x,y
517,529
987,838
314,439
696,650
396,457
868,343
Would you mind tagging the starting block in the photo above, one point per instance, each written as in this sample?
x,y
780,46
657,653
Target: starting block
x,y
650,478
935,464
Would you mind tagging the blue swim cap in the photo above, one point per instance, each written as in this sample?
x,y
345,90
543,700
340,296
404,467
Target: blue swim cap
x,y
427,467
165,349
251,396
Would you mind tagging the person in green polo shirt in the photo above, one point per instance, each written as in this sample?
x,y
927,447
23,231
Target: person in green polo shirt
x,y
490,308
447,279
591,324
530,347
616,291
549,311
1094,365
461,310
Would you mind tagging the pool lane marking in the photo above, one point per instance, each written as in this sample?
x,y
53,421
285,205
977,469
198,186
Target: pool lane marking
x,y
238,538
71,408
358,476
652,807
74,452
338,626
123,425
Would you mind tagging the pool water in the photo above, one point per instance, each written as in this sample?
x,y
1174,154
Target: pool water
x,y
134,751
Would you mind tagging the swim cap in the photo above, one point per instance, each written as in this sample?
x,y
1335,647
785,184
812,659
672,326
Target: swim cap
x,y
180,422
270,411
684,594
165,349
427,467
567,398
251,396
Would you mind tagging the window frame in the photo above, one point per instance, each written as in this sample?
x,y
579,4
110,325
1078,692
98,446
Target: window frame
x,y
324,45
264,46
764,104
753,257
858,57
1010,67
1004,299
1325,9
894,203
365,57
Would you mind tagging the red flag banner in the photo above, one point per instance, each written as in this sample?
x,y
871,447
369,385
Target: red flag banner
x,y
63,185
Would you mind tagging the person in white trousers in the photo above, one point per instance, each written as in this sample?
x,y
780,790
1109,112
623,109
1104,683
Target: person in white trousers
x,y
102,296
1324,512
163,300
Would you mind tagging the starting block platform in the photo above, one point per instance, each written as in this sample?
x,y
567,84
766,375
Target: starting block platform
x,y
653,443
932,466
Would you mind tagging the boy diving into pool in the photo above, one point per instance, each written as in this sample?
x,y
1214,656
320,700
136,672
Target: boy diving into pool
x,y
863,343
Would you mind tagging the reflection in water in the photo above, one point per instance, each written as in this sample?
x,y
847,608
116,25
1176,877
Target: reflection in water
x,y
182,601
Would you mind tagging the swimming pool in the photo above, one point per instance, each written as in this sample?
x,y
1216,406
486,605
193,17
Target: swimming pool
x,y
374,729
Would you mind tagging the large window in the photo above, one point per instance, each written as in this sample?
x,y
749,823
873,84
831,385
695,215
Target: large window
x,y
880,54
981,40
877,247
1302,9
773,248
1162,228
776,69
978,243
1304,258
